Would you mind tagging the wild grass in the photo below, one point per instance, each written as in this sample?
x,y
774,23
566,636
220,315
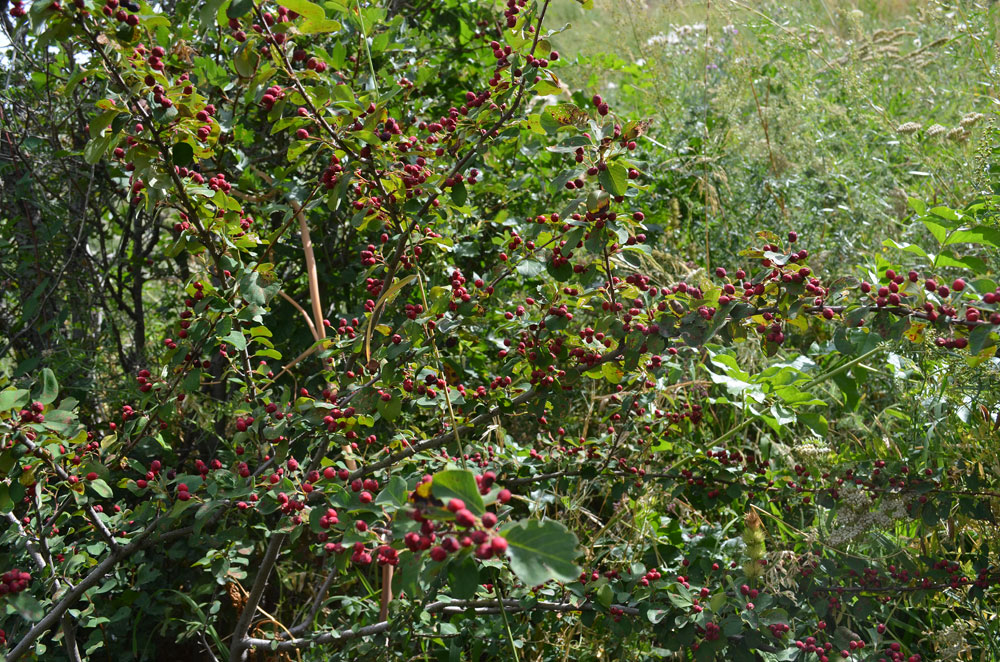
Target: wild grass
x,y
822,116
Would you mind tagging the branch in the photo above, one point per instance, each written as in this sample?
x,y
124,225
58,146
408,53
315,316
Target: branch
x,y
317,601
487,134
319,330
446,437
141,541
239,647
74,594
442,607
309,322
91,513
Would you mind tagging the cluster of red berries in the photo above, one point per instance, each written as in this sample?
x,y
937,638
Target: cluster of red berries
x,y
184,224
33,414
271,95
514,7
217,182
651,575
111,9
601,105
373,285
128,413
778,630
712,631
243,422
312,63
143,379
329,519
331,174
895,653
337,419
14,581
811,645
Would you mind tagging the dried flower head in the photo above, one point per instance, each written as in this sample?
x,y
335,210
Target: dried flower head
x,y
935,130
970,119
958,134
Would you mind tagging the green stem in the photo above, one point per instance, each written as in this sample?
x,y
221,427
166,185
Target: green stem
x,y
364,35
841,368
818,380
440,367
506,623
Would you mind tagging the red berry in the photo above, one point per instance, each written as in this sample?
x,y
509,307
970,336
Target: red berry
x,y
465,518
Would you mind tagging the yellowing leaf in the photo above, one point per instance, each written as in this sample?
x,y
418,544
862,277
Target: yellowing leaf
x,y
915,333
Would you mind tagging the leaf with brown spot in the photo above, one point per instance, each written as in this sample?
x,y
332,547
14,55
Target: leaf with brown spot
x,y
566,114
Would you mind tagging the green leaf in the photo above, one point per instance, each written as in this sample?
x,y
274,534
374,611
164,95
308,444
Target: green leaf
x,y
529,268
236,339
238,8
614,179
463,578
947,259
980,234
816,422
946,213
541,550
384,300
459,194
390,410
245,62
319,26
183,154
306,9
29,608
50,387
254,292
103,489
937,230
909,248
191,382
102,121
6,503
918,206
562,114
612,372
978,338
681,601
393,494
95,149
13,398
561,273
458,484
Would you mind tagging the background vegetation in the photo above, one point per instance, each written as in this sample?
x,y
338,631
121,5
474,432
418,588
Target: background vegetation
x,y
307,264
